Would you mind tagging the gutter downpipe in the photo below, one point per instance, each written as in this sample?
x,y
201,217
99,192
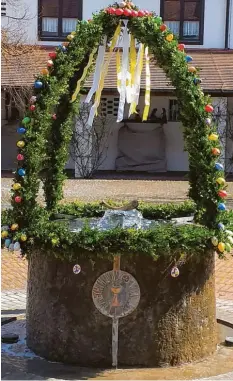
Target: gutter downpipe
x,y
228,7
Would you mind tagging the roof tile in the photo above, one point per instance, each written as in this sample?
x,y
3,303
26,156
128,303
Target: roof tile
x,y
216,71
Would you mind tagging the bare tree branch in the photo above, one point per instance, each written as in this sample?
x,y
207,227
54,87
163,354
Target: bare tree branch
x,y
89,146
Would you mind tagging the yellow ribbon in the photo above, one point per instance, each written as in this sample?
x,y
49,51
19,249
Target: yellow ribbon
x,y
105,68
74,96
118,64
133,59
137,80
147,94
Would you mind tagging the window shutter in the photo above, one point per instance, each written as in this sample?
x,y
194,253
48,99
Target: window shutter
x,y
71,8
50,8
171,10
192,10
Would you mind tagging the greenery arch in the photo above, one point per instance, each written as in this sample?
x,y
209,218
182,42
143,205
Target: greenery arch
x,y
46,129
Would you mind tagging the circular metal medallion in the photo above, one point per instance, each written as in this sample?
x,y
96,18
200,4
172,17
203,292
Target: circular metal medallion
x,y
116,294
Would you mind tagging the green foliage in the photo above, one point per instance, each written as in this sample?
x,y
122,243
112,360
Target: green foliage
x,y
149,211
166,240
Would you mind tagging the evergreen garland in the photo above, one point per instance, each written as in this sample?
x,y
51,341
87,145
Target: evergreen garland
x,y
49,122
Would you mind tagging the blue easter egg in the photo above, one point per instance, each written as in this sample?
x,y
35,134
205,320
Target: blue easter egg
x,y
38,85
63,48
7,242
196,81
221,206
16,246
21,130
219,167
221,226
21,172
188,59
11,247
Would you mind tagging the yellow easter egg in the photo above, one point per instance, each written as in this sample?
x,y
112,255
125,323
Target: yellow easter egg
x,y
44,71
221,181
20,144
14,226
70,37
23,237
73,33
16,186
192,69
169,37
214,241
221,247
213,137
4,234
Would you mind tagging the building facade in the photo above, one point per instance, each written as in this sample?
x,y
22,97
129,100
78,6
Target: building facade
x,y
206,28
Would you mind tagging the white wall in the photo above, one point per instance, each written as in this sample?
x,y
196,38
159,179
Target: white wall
x,y
231,26
90,6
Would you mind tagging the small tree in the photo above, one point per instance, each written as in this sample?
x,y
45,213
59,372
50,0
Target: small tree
x,y
89,145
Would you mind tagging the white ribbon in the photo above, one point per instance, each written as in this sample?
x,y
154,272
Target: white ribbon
x,y
124,71
98,67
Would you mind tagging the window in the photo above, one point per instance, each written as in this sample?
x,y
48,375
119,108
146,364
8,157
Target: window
x,y
173,110
185,18
58,18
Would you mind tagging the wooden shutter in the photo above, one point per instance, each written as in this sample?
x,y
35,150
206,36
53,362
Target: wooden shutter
x,y
71,8
50,8
192,10
171,10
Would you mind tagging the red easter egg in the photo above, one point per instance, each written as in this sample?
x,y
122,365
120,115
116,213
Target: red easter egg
x,y
215,151
18,199
181,46
163,27
141,13
134,13
222,193
54,116
119,12
209,108
20,157
111,11
52,55
32,107
127,12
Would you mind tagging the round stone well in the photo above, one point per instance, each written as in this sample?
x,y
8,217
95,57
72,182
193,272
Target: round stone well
x,y
173,323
